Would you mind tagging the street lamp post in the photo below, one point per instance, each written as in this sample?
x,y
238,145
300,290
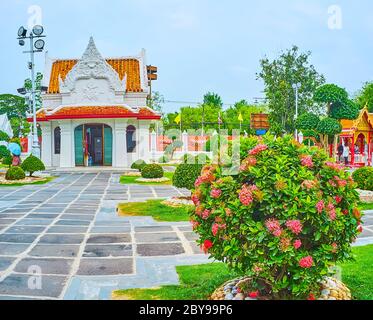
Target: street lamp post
x,y
36,45
296,87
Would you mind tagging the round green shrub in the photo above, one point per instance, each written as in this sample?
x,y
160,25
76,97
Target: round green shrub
x,y
138,165
186,175
163,159
287,216
8,160
32,164
4,136
4,152
152,171
364,178
15,173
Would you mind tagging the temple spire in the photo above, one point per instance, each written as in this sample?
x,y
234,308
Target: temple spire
x,y
91,50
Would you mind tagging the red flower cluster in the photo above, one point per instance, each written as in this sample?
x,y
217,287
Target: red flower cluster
x,y
216,227
258,149
246,194
207,244
205,214
340,182
331,211
306,262
274,227
295,226
334,166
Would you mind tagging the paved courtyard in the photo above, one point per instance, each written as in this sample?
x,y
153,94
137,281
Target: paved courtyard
x,y
68,232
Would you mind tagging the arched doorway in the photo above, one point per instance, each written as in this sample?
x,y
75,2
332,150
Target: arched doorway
x,y
131,139
93,145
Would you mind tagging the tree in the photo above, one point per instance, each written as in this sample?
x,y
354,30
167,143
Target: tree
x,y
156,102
38,84
230,116
213,99
279,76
365,96
14,106
4,136
17,123
32,164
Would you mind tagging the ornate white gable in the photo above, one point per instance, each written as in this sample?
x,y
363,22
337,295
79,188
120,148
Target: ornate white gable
x,y
92,80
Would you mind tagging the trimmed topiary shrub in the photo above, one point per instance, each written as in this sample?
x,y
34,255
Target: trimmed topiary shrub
x,y
15,173
364,178
4,152
138,165
163,159
8,160
4,136
152,171
288,215
186,175
32,164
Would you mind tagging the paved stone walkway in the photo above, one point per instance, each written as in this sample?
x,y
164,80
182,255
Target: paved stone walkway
x,y
69,232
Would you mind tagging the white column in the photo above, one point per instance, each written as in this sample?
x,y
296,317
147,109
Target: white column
x,y
185,142
144,141
120,144
67,145
153,144
46,143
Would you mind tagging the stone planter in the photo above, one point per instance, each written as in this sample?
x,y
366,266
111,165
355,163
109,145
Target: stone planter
x,y
330,289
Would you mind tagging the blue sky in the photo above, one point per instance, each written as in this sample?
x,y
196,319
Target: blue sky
x,y
198,45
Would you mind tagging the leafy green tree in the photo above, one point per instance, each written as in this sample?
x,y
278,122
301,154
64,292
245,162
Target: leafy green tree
x,y
279,75
32,164
156,102
17,123
328,127
365,96
4,136
38,84
213,99
14,106
230,116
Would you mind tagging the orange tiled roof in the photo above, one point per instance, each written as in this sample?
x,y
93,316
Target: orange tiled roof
x,y
130,67
95,112
347,124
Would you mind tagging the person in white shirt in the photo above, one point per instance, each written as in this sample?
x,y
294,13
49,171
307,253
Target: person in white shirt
x,y
346,153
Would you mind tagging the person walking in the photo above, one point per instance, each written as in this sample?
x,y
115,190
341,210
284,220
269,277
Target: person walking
x,y
346,153
340,152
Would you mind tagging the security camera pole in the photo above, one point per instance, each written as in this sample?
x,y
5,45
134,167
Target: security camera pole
x,y
36,46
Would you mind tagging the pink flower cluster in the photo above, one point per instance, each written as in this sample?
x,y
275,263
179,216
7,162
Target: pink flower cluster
x,y
215,193
320,206
258,149
274,227
195,200
308,184
216,227
246,194
297,244
294,226
195,224
205,214
306,262
248,162
341,183
331,211
198,182
306,161
334,165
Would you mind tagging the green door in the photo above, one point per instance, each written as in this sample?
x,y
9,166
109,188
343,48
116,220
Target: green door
x,y
108,146
78,138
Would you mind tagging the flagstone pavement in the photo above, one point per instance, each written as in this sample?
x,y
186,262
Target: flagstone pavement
x,y
64,240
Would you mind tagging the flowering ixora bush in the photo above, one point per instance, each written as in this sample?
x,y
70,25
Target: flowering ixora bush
x,y
286,217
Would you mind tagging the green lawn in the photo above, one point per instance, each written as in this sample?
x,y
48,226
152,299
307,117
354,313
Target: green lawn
x,y
132,180
366,206
49,179
199,282
155,209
